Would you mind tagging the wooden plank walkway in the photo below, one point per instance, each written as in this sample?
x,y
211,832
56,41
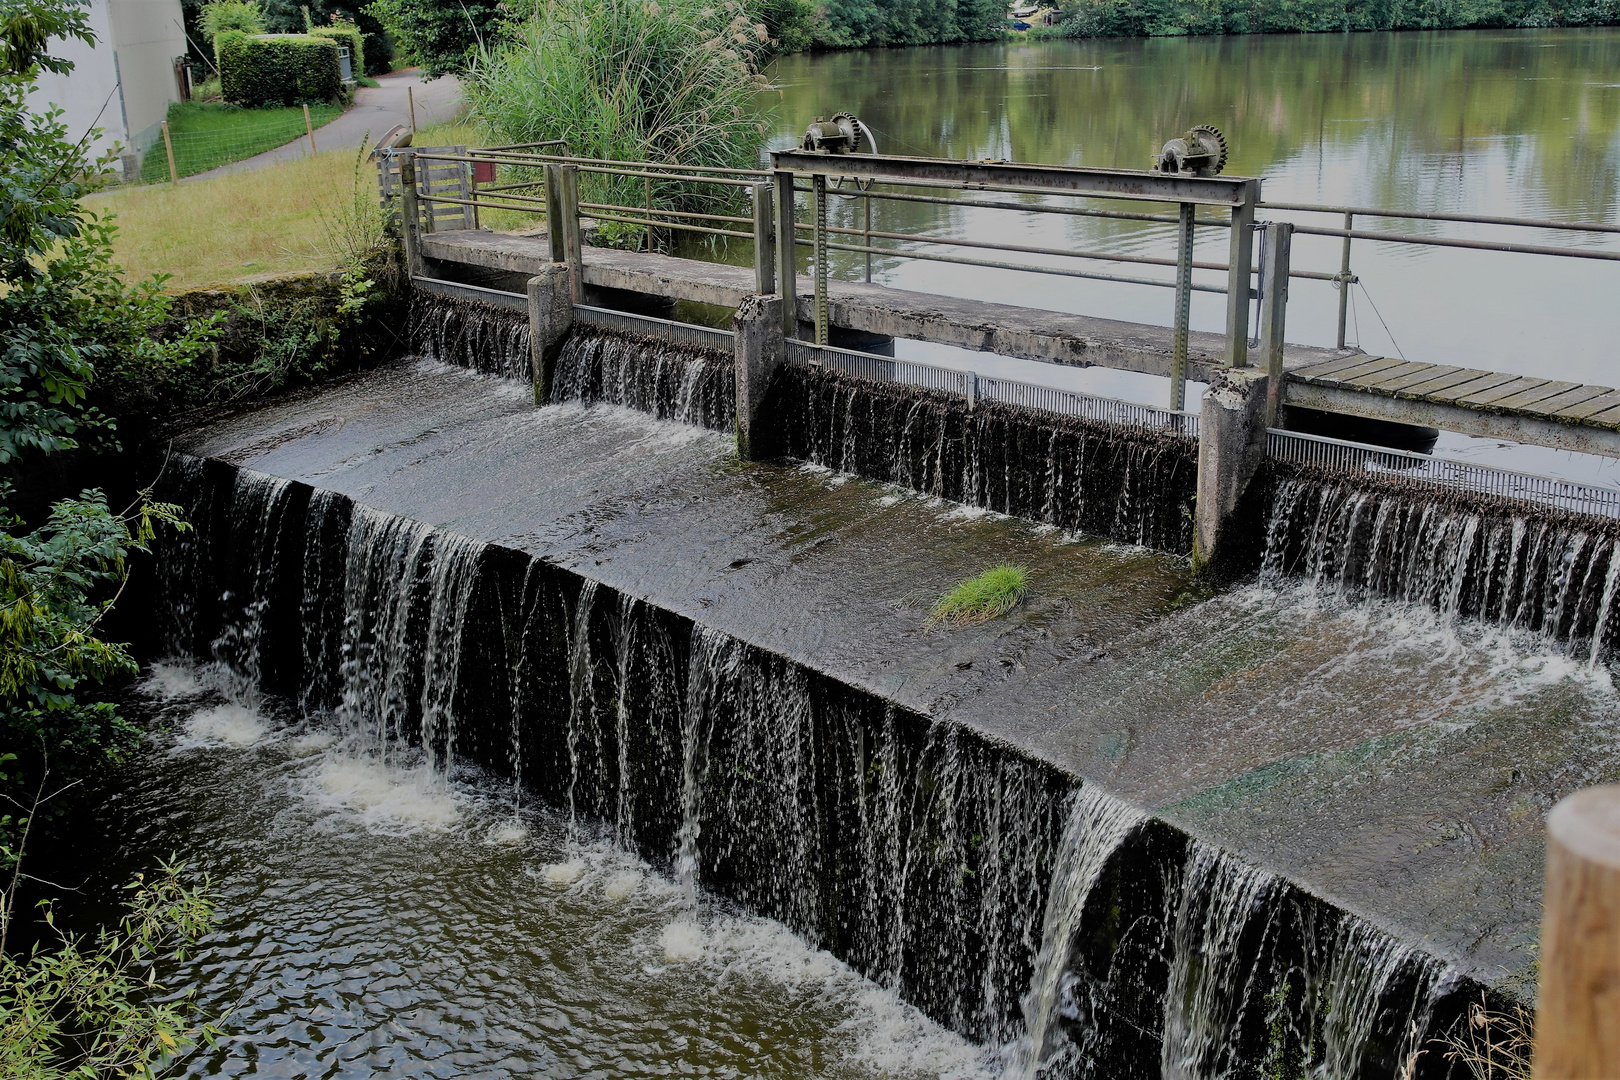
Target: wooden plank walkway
x,y
1547,412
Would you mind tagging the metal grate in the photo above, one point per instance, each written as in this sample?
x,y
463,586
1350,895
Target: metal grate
x,y
704,337
457,291
975,387
1301,449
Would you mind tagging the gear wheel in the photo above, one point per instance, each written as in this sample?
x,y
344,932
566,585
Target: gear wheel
x,y
1220,140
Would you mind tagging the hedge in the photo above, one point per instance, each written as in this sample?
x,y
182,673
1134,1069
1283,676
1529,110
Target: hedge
x,y
348,35
281,69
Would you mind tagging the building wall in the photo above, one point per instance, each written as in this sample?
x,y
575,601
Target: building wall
x,y
125,82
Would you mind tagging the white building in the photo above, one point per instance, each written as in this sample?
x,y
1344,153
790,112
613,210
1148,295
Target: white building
x,y
123,84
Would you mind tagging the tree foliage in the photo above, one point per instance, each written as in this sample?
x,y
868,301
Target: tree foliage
x,y
441,35
1159,18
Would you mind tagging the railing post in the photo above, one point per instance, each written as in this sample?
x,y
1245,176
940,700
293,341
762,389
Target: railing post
x,y
866,232
1344,278
1240,257
573,252
818,192
1274,310
787,254
554,213
764,248
1178,344
410,222
1577,1037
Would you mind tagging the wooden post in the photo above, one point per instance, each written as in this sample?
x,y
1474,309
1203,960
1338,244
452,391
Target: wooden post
x,y
1578,1009
168,146
554,213
410,98
573,250
1238,267
409,220
1274,310
787,254
310,129
764,249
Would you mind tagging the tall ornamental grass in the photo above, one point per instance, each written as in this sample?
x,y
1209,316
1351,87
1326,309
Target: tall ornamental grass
x,y
669,81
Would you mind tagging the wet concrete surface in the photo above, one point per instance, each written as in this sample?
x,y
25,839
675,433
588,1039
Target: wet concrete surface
x,y
1390,762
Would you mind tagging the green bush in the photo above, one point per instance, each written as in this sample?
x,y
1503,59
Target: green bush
x,y
1161,18
281,70
220,16
349,36
441,35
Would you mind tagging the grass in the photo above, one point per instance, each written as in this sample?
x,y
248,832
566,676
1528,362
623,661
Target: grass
x,y
1494,1045
208,134
988,596
270,220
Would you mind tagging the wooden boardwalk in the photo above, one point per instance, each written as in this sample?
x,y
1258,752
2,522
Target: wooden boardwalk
x,y
1547,412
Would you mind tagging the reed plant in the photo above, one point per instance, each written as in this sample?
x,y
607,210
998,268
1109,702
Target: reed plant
x,y
669,81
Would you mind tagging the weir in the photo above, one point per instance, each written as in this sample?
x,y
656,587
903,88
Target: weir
x,y
1031,828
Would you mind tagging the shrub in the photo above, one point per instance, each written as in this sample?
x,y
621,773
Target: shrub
x,y
674,81
348,35
281,70
441,35
219,16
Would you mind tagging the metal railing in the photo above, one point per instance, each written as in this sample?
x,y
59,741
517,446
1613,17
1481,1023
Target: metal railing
x,y
679,333
1449,473
715,203
974,388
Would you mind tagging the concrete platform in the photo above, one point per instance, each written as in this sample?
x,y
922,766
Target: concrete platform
x,y
1383,760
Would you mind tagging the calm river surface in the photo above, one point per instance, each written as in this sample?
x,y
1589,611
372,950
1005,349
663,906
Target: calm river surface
x,y
1513,123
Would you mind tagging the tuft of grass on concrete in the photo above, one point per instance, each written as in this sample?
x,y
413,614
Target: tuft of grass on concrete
x,y
988,596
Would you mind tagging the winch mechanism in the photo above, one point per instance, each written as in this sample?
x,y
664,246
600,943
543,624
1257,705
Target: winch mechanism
x,y
1201,152
840,135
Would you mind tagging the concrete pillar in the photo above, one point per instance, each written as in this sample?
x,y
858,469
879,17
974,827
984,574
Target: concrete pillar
x,y
1578,1006
551,316
759,348
1231,445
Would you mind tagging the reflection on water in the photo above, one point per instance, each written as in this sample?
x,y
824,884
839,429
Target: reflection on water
x,y
378,920
1520,123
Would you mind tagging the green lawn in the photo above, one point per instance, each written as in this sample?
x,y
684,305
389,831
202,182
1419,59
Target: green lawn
x,y
207,134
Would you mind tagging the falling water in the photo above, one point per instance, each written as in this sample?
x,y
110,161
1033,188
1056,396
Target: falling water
x,y
1085,476
1516,565
969,878
486,338
1098,825
670,381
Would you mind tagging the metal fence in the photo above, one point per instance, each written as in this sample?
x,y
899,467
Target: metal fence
x,y
974,388
1449,473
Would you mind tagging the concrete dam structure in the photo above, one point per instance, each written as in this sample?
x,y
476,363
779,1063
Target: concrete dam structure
x,y
674,584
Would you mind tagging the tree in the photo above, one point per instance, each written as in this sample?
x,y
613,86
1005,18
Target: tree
x,y
441,35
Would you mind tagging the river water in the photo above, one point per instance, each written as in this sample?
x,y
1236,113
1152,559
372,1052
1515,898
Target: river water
x,y
377,919
1519,123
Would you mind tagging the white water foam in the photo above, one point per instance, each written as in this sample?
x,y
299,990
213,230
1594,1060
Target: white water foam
x,y
171,680
228,724
385,798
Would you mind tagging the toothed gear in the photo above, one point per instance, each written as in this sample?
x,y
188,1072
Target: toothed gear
x,y
1220,141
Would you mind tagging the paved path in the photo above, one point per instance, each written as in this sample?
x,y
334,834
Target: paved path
x,y
374,112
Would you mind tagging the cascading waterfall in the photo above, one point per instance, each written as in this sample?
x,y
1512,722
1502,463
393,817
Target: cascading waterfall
x,y
670,381
1128,484
1516,565
487,338
1098,824
982,885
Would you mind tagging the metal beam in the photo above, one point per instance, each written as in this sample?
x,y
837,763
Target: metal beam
x,y
1103,183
